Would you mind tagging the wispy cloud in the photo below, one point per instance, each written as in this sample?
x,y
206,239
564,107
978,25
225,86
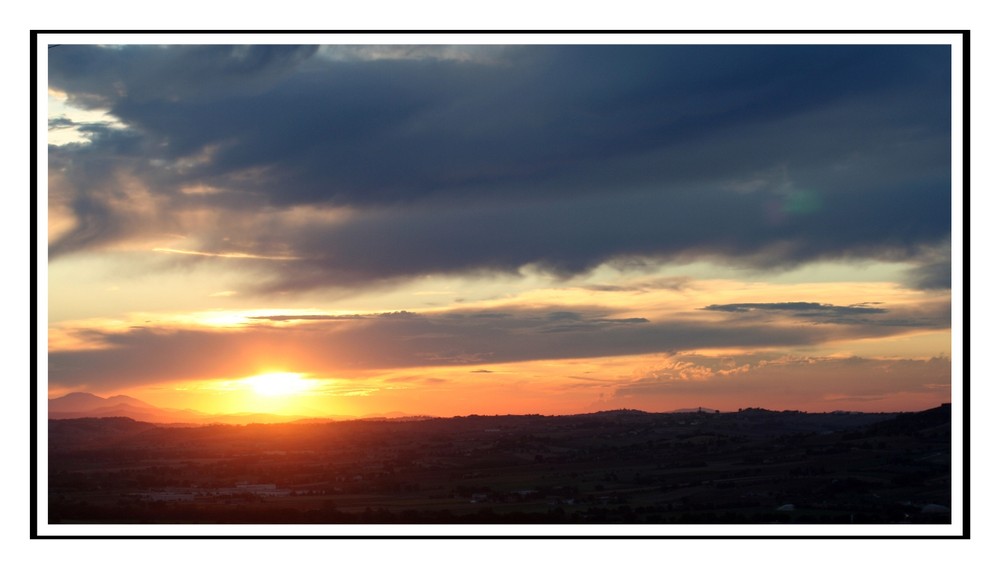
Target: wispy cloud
x,y
774,380
799,308
225,255
324,344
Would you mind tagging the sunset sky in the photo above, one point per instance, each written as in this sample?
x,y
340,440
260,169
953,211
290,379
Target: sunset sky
x,y
491,229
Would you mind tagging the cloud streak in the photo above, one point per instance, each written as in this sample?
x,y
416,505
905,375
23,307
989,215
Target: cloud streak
x,y
799,308
332,344
223,255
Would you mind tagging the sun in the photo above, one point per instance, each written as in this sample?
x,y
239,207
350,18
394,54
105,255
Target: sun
x,y
277,384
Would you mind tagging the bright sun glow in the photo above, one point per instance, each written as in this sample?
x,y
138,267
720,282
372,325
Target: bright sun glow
x,y
277,383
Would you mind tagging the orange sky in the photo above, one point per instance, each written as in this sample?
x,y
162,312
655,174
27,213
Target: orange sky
x,y
517,229
552,350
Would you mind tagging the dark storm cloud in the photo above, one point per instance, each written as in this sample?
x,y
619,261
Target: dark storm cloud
x,y
406,339
570,238
107,76
561,157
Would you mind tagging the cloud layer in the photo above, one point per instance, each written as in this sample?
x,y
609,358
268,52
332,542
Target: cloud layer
x,y
344,167
329,345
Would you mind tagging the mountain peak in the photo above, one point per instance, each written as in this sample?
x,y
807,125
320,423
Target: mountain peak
x,y
80,401
126,400
76,401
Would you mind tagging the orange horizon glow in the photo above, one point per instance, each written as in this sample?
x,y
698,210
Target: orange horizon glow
x,y
543,387
270,367
417,260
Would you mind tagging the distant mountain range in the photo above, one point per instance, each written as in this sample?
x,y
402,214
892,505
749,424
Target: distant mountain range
x,y
88,402
79,405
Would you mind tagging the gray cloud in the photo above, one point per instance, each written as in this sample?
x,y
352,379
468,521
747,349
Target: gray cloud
x,y
933,314
936,275
934,270
558,157
801,308
406,339
60,123
110,76
810,311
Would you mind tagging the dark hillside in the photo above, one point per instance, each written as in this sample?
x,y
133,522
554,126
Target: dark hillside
x,y
753,466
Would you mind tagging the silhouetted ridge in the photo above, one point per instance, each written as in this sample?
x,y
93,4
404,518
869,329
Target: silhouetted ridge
x,y
94,428
96,423
620,413
913,423
620,466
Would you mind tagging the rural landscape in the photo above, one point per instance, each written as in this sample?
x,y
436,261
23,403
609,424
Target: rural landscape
x,y
612,467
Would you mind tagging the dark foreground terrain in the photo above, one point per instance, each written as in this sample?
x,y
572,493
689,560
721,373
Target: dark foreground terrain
x,y
750,467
